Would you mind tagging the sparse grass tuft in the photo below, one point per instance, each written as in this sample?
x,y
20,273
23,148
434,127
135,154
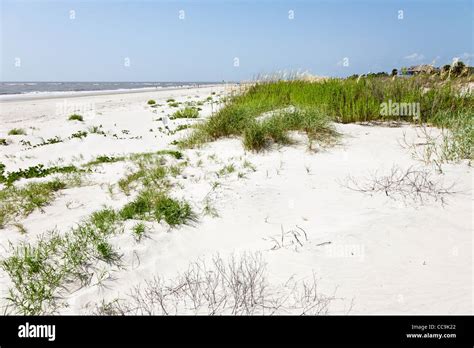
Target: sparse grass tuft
x,y
75,117
226,170
151,102
17,131
139,230
79,135
174,153
127,183
20,202
104,220
106,252
96,130
104,159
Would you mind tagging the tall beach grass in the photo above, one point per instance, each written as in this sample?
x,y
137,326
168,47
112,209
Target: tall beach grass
x,y
340,100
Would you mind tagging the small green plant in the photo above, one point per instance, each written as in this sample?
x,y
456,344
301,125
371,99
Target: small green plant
x,y
96,130
187,112
3,142
20,227
104,159
106,252
151,102
139,230
171,100
228,169
76,117
249,165
180,128
17,131
209,209
127,183
174,104
174,153
25,142
175,170
49,141
79,135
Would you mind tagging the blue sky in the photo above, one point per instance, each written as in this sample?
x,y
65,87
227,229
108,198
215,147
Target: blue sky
x,y
41,42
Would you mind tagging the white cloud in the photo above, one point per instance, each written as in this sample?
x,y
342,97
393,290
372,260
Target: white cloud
x,y
415,57
465,57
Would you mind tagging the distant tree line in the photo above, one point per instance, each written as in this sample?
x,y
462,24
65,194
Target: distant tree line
x,y
457,69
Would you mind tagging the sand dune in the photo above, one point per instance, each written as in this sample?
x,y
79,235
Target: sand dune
x,y
376,253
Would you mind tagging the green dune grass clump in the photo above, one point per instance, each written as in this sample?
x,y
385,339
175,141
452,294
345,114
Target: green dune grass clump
x,y
338,100
151,102
258,135
20,202
152,204
75,117
187,112
17,131
3,142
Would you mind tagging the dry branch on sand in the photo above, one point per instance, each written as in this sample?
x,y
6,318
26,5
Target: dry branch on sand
x,y
295,238
411,184
238,286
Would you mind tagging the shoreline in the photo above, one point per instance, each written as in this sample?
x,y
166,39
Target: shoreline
x,y
75,94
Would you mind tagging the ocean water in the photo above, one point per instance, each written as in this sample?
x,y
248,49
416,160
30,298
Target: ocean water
x,y
7,88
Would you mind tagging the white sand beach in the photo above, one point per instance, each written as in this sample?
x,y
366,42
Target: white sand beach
x,y
373,253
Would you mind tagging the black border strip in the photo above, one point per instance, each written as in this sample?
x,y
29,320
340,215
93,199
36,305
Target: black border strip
x,y
194,330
